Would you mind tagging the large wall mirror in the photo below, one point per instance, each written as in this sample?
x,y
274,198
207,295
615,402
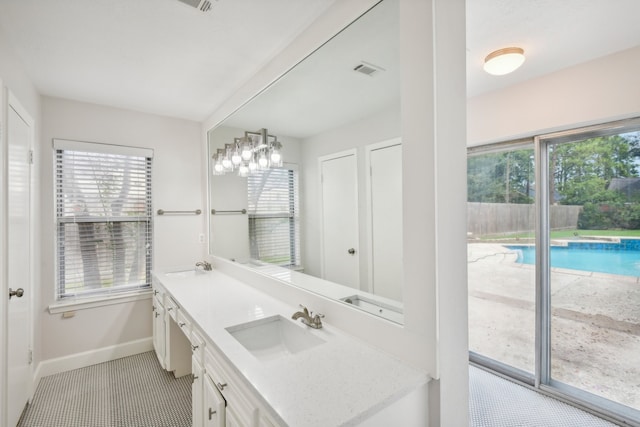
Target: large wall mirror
x,y
305,180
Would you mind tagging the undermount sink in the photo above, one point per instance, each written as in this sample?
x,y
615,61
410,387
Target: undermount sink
x,y
184,273
273,337
379,308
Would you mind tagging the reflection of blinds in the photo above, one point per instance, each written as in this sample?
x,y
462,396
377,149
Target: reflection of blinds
x,y
274,216
104,218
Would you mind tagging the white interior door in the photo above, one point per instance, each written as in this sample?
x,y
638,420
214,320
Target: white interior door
x,y
386,221
19,132
340,220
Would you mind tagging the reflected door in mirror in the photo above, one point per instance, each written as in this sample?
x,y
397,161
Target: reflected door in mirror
x,y
340,219
386,220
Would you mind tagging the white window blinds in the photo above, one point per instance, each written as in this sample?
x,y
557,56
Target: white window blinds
x,y
274,220
103,218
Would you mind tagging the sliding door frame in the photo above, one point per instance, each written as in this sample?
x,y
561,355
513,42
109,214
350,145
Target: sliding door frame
x,y
542,377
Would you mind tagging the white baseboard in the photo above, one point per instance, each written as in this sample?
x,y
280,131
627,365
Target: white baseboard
x,y
92,357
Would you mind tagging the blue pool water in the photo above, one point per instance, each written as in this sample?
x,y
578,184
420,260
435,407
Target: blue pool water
x,y
613,258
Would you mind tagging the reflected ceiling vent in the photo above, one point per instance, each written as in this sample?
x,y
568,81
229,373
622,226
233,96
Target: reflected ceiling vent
x,y
202,5
367,68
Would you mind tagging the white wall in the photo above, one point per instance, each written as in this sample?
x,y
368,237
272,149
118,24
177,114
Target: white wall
x,y
379,127
178,184
593,92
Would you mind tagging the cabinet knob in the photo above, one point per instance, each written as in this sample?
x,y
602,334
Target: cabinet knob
x,y
181,324
170,308
156,314
221,386
155,292
211,412
194,347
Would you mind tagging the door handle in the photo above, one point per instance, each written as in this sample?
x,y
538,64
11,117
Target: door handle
x,y
17,293
351,251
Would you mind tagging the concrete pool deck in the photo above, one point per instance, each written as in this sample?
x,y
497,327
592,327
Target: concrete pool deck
x,y
595,322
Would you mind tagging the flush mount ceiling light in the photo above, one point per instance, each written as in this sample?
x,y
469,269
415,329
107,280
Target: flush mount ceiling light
x,y
504,61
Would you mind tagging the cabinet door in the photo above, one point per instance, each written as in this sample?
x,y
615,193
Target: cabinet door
x,y
197,391
159,333
265,421
213,405
233,420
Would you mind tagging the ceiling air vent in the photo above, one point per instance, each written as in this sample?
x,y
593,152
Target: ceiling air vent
x,y
367,69
203,5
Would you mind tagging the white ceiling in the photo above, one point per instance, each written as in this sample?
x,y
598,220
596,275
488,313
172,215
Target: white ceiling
x,y
554,34
157,56
323,91
163,57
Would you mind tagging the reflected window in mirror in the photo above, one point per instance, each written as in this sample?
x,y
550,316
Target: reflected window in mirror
x,y
274,217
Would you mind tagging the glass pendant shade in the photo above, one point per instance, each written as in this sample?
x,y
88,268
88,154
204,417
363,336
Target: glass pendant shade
x,y
254,152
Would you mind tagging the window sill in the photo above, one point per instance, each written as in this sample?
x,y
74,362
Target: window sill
x,y
83,304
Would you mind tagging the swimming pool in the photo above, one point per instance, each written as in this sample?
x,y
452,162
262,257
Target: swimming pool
x,y
614,258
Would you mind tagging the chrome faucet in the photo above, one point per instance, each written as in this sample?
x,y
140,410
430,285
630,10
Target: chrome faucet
x,y
205,265
308,318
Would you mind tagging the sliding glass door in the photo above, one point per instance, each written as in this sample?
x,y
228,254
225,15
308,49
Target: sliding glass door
x,y
500,228
594,252
554,294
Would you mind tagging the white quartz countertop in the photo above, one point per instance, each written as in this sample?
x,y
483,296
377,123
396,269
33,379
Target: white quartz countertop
x,y
337,383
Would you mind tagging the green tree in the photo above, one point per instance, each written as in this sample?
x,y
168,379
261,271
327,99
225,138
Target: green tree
x,y
583,170
504,177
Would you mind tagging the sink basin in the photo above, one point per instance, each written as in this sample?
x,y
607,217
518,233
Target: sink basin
x,y
184,273
273,337
379,308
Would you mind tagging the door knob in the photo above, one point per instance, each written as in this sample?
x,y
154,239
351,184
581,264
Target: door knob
x,y
17,293
351,251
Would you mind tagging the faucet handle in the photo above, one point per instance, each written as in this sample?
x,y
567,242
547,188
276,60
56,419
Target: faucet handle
x,y
316,321
304,308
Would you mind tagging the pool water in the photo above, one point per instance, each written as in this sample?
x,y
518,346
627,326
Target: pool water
x,y
609,258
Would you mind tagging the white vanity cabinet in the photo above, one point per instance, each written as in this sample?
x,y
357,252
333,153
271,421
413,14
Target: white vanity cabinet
x,y
169,340
235,388
197,369
197,390
159,332
243,407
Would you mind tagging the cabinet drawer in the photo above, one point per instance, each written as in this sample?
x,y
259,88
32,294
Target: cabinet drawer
x,y
183,323
171,307
158,297
198,344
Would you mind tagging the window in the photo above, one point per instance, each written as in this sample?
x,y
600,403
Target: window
x,y
103,219
274,229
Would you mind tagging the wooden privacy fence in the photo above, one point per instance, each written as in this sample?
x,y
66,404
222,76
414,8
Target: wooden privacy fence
x,y
502,218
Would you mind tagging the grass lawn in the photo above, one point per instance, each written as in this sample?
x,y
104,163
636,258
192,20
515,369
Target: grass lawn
x,y
566,234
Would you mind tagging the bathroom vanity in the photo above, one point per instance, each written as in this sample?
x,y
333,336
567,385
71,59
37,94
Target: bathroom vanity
x,y
255,366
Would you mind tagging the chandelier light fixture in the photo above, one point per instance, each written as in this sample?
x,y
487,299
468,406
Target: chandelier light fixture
x,y
255,151
504,61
